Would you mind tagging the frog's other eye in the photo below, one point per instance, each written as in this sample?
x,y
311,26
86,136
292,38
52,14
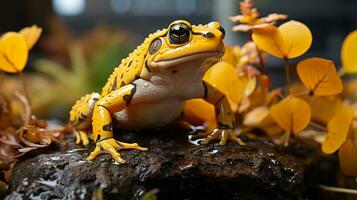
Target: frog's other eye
x,y
155,46
179,34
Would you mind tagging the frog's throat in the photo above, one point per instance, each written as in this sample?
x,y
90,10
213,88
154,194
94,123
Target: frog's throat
x,y
186,58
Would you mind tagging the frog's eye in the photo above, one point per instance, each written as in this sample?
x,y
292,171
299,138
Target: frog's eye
x,y
179,34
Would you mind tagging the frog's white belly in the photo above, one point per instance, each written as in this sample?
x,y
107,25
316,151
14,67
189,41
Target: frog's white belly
x,y
149,115
160,101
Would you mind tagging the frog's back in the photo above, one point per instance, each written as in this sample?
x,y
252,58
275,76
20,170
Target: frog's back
x,y
131,67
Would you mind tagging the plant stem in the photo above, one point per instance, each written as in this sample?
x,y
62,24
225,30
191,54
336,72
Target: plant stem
x,y
287,138
26,92
2,77
261,61
318,126
341,72
338,189
287,75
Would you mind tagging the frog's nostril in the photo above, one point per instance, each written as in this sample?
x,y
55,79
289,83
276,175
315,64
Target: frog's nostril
x,y
208,35
222,30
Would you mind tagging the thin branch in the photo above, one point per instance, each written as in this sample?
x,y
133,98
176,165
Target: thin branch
x,y
26,92
338,189
261,60
318,126
287,75
341,72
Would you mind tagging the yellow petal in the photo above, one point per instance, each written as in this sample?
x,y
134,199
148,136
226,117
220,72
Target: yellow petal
x,y
292,114
348,158
290,40
337,130
320,76
31,35
13,53
348,53
224,77
297,38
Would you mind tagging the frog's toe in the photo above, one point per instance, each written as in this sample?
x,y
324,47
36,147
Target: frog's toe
x,y
94,153
112,147
222,134
124,145
81,137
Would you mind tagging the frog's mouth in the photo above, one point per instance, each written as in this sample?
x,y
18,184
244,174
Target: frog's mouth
x,y
200,56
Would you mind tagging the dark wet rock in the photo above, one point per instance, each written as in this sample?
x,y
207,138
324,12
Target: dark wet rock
x,y
180,170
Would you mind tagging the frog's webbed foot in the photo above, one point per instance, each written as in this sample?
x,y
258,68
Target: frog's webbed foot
x,y
221,134
81,137
112,147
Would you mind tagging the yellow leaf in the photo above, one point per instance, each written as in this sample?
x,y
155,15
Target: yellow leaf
x,y
348,53
348,158
320,76
292,114
200,110
269,40
323,109
13,53
250,86
31,35
224,77
337,130
291,39
229,55
255,117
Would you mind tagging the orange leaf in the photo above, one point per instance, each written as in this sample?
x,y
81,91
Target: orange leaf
x,y
320,76
348,53
13,53
31,35
291,39
292,114
337,130
199,108
348,158
224,77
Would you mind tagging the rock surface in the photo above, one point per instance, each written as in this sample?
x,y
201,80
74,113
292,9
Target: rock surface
x,y
177,168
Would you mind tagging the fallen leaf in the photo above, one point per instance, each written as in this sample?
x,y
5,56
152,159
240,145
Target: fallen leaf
x,y
337,130
292,114
320,76
13,53
199,108
255,117
348,53
290,40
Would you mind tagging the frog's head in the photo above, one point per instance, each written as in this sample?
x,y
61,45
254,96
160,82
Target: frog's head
x,y
183,42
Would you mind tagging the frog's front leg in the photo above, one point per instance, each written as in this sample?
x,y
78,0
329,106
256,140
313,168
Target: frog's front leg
x,y
225,117
102,123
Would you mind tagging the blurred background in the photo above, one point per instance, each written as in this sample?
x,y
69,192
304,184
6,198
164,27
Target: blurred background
x,y
83,40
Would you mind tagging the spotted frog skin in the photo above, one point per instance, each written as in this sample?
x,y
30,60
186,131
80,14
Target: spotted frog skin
x,y
149,88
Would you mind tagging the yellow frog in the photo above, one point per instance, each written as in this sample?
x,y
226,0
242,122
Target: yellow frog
x,y
149,88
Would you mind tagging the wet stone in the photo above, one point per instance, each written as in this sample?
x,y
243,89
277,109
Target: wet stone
x,y
177,168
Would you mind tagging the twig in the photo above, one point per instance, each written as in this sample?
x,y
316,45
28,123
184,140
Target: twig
x,y
26,92
338,189
287,75
261,61
341,72
318,126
